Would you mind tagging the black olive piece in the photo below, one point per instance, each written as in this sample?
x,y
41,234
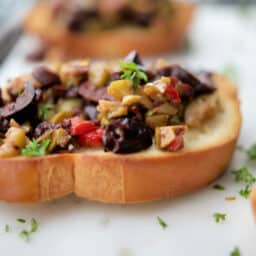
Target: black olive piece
x,y
133,56
91,92
138,111
206,78
186,77
4,125
23,108
127,135
45,76
91,111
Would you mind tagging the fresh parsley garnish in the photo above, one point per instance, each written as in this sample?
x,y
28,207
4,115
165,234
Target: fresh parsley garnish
x,y
34,148
21,220
132,72
219,217
44,110
6,228
162,222
235,252
244,176
25,234
218,187
251,152
245,192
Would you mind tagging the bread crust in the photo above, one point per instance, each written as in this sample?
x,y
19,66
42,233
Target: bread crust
x,y
253,202
161,37
107,177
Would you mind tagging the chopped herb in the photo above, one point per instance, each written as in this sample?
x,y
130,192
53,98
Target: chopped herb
x,y
44,110
34,225
161,222
25,235
6,228
131,71
34,148
245,192
243,175
251,152
235,252
21,220
218,187
219,217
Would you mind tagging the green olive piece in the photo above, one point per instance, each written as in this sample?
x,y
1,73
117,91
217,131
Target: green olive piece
x,y
68,104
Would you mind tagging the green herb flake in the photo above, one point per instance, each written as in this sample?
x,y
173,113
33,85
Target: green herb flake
x,y
132,72
162,222
6,228
235,252
21,220
243,175
33,225
218,187
251,152
24,234
245,192
219,217
44,110
34,148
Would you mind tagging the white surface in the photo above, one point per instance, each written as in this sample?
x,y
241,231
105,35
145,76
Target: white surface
x,y
72,226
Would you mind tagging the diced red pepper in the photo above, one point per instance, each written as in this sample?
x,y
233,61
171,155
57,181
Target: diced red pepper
x,y
171,92
91,139
177,144
80,126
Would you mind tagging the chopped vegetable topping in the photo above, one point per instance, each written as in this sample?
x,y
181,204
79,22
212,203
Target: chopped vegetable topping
x,y
245,192
34,148
44,110
218,187
131,71
161,222
219,217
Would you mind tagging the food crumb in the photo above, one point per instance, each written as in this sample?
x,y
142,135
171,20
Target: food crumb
x,y
230,198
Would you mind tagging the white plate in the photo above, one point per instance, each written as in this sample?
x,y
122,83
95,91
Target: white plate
x,y
72,226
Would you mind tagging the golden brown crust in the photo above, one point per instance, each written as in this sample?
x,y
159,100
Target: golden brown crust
x,y
115,43
145,176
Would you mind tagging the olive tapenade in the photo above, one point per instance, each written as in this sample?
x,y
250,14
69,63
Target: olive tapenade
x,y
123,107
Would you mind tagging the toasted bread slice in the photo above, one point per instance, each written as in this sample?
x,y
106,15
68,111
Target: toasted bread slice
x,y
62,44
145,176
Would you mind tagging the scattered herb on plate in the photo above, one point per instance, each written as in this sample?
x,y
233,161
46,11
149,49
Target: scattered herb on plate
x,y
244,176
235,252
218,187
251,152
132,72
162,222
34,148
6,228
25,234
219,217
21,220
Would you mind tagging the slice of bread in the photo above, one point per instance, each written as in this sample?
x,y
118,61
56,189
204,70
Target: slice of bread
x,y
160,37
131,178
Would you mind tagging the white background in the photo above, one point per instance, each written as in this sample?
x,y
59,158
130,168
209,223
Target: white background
x,y
220,37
